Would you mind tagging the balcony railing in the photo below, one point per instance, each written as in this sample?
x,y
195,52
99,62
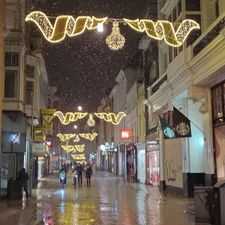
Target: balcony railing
x,y
212,32
158,83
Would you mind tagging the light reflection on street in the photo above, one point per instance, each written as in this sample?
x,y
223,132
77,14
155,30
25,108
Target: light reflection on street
x,y
109,200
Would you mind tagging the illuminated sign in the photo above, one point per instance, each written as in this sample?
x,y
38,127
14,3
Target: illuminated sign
x,y
125,134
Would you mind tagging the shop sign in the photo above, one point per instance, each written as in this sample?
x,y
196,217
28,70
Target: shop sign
x,y
125,134
47,118
39,149
39,134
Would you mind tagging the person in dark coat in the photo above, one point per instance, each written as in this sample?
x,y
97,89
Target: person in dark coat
x,y
23,178
88,175
79,174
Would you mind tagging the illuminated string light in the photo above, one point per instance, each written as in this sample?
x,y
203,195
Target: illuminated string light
x,y
115,40
164,30
111,117
90,121
89,136
64,25
69,116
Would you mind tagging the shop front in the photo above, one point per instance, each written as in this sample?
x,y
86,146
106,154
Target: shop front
x,y
152,158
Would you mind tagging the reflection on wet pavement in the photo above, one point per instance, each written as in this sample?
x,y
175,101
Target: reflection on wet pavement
x,y
109,200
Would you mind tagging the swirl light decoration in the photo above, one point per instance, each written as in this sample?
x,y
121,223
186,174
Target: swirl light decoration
x,y
65,137
89,136
76,139
164,30
71,26
69,116
111,117
64,25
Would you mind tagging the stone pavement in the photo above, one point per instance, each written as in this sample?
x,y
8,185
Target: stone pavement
x,y
17,212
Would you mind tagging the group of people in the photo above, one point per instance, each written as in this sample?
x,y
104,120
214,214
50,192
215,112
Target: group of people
x,y
77,172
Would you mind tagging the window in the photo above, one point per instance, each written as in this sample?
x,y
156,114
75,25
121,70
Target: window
x,y
11,83
193,5
30,76
11,74
11,59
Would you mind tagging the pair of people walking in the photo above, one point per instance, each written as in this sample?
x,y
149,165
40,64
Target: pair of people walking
x,y
78,175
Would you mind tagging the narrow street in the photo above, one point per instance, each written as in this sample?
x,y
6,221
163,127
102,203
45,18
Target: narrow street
x,y
109,200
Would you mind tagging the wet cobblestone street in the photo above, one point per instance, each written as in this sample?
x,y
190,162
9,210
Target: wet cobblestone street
x,y
110,200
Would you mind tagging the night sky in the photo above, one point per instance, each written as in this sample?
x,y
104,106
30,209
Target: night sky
x,y
83,68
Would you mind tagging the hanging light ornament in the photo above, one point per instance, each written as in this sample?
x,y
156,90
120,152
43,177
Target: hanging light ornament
x,y
115,40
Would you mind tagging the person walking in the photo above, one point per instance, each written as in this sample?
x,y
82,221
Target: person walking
x,y
23,178
62,176
74,181
79,174
89,173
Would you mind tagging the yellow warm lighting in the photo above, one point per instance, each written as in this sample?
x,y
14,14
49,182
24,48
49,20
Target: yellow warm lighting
x,y
69,116
66,137
111,117
64,25
164,29
89,136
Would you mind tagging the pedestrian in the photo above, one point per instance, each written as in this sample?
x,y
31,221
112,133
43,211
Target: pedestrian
x,y
89,173
62,176
74,172
23,179
79,174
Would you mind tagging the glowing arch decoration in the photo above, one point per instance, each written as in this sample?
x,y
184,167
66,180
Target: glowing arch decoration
x,y
89,136
64,25
113,118
164,30
69,116
68,25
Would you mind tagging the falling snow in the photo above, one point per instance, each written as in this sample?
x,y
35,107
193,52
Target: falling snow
x,y
84,68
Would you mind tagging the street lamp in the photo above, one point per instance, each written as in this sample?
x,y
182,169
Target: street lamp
x,y
79,108
75,127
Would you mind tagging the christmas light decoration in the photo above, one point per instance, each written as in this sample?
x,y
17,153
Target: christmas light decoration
x,y
65,137
75,148
90,121
89,136
78,156
68,25
164,30
64,25
69,116
68,148
111,117
115,40
76,139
